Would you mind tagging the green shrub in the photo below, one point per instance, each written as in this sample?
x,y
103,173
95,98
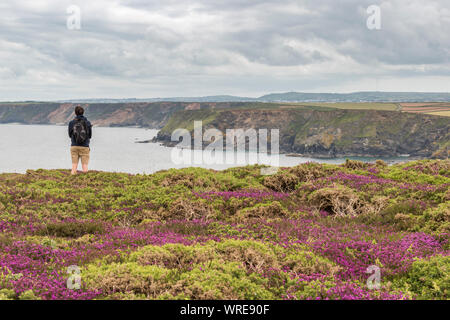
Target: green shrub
x,y
231,269
305,262
288,180
270,210
427,279
7,294
282,182
406,207
172,256
409,215
130,277
338,200
218,280
437,220
355,164
28,295
71,229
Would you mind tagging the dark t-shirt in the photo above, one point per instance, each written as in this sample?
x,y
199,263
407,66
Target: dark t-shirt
x,y
89,132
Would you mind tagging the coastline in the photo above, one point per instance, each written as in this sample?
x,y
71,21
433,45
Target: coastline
x,y
315,156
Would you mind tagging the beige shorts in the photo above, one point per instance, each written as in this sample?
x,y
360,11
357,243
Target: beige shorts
x,y
78,153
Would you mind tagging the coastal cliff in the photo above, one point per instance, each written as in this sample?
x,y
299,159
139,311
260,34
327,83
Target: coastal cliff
x,y
144,114
330,133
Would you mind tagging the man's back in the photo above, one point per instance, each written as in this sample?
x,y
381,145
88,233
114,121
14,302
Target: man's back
x,y
72,123
80,133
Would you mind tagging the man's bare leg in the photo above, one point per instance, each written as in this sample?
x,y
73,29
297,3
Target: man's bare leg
x,y
85,168
74,168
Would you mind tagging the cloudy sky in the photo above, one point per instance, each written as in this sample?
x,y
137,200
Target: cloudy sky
x,y
149,48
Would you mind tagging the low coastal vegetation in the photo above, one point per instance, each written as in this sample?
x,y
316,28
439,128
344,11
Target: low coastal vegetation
x,y
306,232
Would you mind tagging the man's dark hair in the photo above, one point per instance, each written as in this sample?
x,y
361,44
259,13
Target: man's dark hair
x,y
79,111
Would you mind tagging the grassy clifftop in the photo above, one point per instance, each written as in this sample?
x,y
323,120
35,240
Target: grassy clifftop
x,y
331,132
308,232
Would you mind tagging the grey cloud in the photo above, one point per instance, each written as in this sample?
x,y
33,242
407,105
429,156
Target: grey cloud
x,y
218,44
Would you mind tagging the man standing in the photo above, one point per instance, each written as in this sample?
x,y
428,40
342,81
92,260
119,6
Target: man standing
x,y
80,132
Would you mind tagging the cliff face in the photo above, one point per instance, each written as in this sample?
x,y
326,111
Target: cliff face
x,y
333,133
151,115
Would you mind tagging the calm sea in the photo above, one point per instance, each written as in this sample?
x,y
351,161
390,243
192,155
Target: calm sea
x,y
24,147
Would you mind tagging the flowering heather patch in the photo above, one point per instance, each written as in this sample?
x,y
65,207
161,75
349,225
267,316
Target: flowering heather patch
x,y
373,183
433,168
234,234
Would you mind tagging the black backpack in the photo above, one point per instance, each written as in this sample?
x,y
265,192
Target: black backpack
x,y
80,131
